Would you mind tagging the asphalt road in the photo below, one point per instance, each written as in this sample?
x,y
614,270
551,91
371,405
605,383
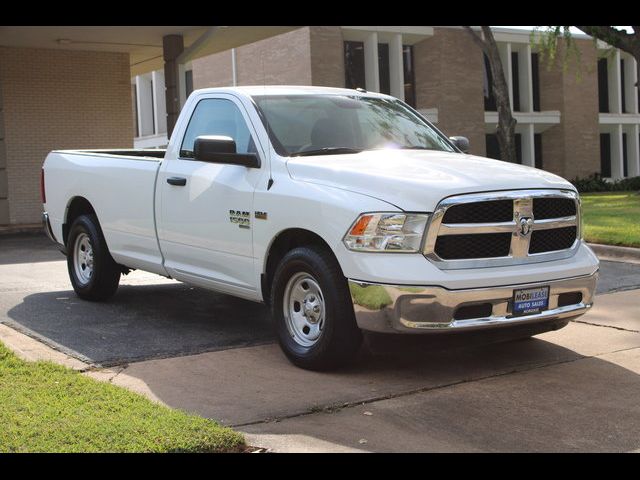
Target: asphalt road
x,y
150,317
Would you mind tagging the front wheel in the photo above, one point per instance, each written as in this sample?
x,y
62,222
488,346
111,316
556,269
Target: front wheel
x,y
93,272
312,310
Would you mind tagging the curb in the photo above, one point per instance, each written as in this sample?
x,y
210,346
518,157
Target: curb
x,y
615,253
30,228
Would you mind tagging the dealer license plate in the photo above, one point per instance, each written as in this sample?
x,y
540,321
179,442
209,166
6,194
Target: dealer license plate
x,y
530,300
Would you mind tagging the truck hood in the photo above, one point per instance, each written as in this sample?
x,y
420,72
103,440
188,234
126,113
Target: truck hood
x,y
416,180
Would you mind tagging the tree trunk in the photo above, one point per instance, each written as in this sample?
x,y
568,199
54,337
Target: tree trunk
x,y
506,131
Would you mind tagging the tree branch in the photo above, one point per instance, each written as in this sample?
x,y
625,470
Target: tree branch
x,y
612,36
477,39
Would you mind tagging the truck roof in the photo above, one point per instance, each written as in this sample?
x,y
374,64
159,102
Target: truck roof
x,y
252,90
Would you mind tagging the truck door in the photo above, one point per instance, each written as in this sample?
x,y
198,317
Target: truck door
x,y
206,209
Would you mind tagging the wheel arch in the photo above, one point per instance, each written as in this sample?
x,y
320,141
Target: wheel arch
x,y
77,206
283,242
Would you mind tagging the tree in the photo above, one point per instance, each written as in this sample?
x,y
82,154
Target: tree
x,y
628,42
506,131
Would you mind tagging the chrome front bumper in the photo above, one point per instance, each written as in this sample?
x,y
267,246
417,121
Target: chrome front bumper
x,y
423,309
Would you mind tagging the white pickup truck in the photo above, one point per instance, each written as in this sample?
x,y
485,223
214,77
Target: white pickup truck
x,y
343,210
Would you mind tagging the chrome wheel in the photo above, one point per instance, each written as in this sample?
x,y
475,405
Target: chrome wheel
x,y
304,309
83,258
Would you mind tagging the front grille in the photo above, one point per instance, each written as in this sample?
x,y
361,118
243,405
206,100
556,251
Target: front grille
x,y
488,245
552,240
480,212
503,228
544,208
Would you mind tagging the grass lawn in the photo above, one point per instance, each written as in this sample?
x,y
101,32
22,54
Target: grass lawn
x,y
45,407
612,218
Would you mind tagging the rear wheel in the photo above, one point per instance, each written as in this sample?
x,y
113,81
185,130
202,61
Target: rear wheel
x,y
93,272
312,310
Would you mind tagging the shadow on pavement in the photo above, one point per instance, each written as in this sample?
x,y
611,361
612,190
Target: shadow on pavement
x,y
141,322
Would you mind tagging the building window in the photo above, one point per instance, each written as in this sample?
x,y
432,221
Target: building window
x,y
625,161
188,82
537,149
136,131
409,76
493,147
603,86
515,81
535,82
605,155
354,65
489,98
383,68
622,87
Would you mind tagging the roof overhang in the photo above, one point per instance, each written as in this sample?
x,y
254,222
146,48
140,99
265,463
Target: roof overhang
x,y
142,43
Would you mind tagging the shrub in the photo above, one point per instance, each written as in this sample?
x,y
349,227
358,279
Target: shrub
x,y
595,183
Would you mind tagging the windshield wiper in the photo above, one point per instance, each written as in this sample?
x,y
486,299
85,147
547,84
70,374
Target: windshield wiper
x,y
326,151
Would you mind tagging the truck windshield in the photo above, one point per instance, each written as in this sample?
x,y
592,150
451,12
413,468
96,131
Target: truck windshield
x,y
304,125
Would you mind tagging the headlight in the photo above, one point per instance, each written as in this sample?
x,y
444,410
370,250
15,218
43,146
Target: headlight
x,y
386,232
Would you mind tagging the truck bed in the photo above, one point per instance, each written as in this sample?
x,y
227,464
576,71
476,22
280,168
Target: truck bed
x,y
137,153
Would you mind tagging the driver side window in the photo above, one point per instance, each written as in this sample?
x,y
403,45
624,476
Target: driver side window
x,y
217,116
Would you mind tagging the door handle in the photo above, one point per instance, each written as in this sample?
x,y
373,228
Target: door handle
x,y
178,181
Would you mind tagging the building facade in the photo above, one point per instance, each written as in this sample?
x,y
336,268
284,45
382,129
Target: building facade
x,y
574,121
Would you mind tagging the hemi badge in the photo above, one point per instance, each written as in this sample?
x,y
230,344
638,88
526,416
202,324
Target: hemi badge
x,y
261,215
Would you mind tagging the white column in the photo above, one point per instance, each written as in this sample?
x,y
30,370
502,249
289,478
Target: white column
x,y
528,146
525,78
159,102
234,72
396,66
505,57
144,105
371,70
633,151
631,91
613,73
617,169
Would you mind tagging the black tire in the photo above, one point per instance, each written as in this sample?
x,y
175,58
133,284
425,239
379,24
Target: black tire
x,y
340,339
105,277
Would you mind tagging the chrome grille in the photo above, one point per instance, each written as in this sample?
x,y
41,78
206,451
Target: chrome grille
x,y
503,228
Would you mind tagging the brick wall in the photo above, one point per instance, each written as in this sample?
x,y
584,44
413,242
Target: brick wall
x,y
4,186
57,99
572,148
327,57
280,60
448,72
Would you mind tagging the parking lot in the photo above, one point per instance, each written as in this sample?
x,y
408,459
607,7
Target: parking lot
x,y
575,389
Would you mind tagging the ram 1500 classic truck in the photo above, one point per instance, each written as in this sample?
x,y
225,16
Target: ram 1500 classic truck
x,y
343,210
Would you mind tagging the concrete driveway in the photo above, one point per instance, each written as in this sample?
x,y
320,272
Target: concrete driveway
x,y
575,389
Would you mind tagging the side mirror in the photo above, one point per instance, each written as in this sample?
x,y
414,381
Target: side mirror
x,y
220,149
461,142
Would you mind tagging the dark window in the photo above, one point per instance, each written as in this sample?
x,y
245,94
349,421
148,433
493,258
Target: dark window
x,y
493,147
354,65
489,98
216,116
603,86
515,80
605,155
188,82
537,145
409,76
622,87
535,82
135,109
383,68
625,166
